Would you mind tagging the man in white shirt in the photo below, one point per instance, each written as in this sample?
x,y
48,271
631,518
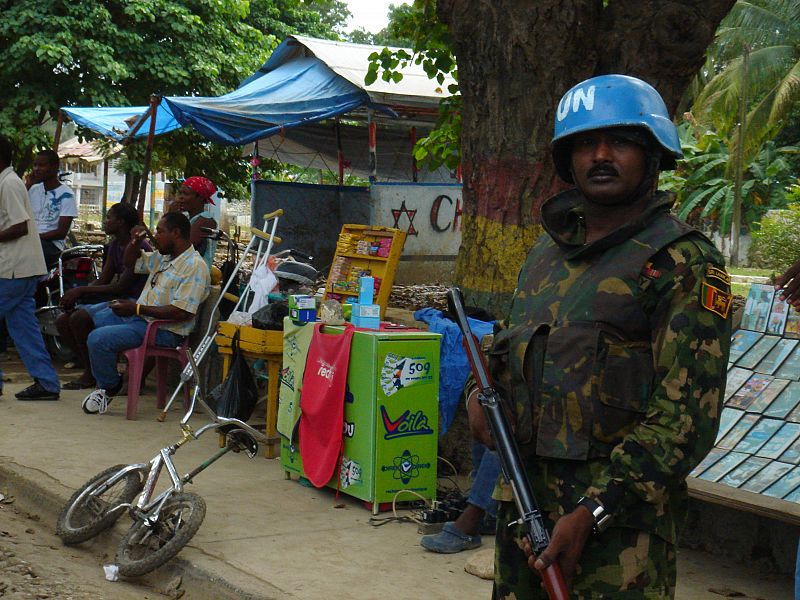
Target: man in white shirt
x,y
53,205
21,266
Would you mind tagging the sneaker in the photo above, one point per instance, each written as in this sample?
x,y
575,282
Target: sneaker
x,y
36,392
96,402
450,540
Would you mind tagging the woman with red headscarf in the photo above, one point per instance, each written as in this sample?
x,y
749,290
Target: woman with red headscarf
x,y
193,196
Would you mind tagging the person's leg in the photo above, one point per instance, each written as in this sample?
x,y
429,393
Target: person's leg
x,y
480,494
64,332
80,326
104,345
464,532
18,308
3,336
479,501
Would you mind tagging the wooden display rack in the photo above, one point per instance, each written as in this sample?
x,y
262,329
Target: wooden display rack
x,y
342,281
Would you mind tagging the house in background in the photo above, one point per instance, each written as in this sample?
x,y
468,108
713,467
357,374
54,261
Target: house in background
x,y
87,167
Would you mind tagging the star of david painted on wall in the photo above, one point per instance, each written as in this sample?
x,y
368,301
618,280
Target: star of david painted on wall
x,y
398,212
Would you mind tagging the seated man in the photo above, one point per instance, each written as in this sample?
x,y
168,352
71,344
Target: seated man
x,y
115,281
53,205
193,197
177,285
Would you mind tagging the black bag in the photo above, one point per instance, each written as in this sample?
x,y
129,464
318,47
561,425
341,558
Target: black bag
x,y
271,316
237,396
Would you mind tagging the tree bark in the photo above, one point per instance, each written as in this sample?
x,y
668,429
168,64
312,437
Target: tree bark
x,y
516,58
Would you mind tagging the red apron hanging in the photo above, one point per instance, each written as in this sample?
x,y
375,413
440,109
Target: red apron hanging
x,y
322,403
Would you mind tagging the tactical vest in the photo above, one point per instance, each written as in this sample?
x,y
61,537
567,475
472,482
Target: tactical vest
x,y
577,359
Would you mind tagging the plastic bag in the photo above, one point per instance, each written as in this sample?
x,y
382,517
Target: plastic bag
x,y
237,396
271,316
238,317
262,282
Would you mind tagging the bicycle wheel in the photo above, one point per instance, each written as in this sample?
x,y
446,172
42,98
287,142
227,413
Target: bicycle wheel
x,y
145,547
86,515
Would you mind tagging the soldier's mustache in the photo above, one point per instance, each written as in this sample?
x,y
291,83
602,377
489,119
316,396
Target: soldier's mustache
x,y
602,170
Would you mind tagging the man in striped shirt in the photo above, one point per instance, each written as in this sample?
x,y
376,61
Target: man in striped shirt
x,y
176,287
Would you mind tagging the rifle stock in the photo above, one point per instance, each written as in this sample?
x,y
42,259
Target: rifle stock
x,y
507,450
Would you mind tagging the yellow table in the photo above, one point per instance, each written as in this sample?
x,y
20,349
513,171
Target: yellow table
x,y
257,344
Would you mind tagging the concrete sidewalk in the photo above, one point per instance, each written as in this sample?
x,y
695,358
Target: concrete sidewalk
x,y
263,536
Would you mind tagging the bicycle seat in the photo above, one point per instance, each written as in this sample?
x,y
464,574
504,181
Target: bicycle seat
x,y
243,441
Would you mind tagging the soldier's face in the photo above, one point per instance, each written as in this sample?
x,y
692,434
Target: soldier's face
x,y
607,168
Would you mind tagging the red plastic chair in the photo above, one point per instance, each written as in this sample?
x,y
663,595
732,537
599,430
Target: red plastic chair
x,y
136,361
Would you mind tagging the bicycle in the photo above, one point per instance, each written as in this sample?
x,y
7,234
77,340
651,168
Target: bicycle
x,y
162,526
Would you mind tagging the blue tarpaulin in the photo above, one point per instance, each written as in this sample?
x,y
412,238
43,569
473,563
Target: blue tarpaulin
x,y
303,90
115,122
454,365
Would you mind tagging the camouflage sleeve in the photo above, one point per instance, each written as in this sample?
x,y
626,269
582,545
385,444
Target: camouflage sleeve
x,y
687,293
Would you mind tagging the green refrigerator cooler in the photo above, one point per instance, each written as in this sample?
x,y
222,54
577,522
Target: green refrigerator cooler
x,y
391,413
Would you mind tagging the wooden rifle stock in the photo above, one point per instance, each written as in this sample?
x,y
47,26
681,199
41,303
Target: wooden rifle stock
x,y
507,450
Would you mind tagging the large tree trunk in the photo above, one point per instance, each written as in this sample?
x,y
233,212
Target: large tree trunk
x,y
515,60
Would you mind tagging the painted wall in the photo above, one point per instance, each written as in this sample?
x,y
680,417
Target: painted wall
x,y
430,214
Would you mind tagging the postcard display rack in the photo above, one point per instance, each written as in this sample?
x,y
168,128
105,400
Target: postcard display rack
x,y
758,445
365,251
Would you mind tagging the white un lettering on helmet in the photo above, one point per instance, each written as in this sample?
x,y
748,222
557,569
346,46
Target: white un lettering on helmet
x,y
572,101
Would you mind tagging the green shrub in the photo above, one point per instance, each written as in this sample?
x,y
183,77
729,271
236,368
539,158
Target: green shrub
x,y
776,244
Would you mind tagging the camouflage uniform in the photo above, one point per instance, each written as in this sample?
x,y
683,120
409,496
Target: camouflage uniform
x,y
615,358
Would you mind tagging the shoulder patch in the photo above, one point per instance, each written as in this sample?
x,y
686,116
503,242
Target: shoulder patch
x,y
715,300
718,274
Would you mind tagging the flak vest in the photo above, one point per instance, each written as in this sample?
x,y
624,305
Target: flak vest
x,y
577,359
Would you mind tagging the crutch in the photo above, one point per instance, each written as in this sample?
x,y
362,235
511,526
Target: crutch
x,y
260,238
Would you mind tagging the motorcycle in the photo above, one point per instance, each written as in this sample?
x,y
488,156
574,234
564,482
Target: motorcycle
x,y
77,266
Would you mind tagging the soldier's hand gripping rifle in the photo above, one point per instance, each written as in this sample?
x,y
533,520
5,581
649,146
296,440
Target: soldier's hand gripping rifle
x,y
506,447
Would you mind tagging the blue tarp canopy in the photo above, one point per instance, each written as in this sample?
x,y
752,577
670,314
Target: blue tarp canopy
x,y
115,122
303,90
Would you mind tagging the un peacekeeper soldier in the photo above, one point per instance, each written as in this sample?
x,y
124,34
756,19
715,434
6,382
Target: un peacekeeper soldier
x,y
614,356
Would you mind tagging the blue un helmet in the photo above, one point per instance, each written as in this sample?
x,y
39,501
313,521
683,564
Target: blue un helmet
x,y
613,101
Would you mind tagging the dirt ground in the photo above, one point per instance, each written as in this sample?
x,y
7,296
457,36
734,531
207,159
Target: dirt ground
x,y
34,565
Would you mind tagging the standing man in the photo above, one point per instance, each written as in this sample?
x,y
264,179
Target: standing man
x,y
615,355
175,289
53,205
21,265
194,195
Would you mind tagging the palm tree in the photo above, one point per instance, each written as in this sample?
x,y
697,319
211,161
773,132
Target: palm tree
x,y
770,31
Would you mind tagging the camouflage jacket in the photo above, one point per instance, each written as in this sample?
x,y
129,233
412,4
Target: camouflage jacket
x,y
615,358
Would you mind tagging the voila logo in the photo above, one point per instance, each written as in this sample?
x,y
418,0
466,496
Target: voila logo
x,y
405,425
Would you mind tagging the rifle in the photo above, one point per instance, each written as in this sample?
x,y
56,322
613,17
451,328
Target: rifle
x,y
507,450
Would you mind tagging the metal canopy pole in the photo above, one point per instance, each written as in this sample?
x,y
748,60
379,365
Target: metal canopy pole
x,y
339,152
104,204
414,169
373,154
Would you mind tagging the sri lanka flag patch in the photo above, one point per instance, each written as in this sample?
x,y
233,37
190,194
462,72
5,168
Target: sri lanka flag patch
x,y
716,300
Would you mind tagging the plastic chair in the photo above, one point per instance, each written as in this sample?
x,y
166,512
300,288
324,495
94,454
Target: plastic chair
x,y
136,361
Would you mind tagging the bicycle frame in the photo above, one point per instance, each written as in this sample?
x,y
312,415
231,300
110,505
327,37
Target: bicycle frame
x,y
148,510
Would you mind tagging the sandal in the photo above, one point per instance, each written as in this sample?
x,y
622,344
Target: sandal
x,y
78,385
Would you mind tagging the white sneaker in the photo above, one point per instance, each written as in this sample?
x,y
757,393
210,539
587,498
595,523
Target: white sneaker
x,y
96,402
